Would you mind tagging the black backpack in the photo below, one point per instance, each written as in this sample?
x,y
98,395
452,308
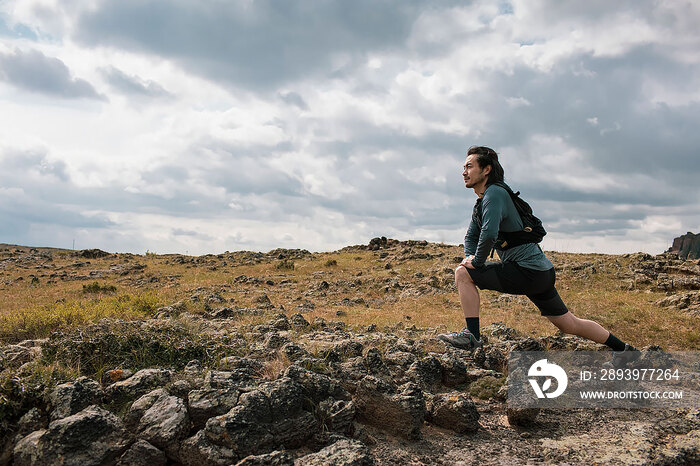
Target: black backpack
x,y
532,231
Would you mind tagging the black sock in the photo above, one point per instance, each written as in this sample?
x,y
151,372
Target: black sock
x,y
614,343
473,327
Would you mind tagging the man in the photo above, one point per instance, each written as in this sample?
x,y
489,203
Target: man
x,y
523,269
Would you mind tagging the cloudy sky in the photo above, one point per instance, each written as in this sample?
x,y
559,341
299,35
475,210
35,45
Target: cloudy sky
x,y
200,126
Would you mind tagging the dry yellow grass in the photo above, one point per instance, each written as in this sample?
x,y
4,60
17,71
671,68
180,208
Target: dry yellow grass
x,y
30,310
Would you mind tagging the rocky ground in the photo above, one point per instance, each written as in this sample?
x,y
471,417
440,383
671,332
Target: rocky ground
x,y
207,380
296,392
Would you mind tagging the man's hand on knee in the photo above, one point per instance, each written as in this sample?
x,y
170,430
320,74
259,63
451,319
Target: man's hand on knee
x,y
467,263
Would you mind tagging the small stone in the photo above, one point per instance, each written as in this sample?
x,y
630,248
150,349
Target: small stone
x,y
294,352
341,453
193,366
115,375
142,453
31,421
275,458
297,321
522,416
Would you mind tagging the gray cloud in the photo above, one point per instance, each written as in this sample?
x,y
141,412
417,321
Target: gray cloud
x,y
134,85
651,153
292,98
34,71
257,45
192,233
37,194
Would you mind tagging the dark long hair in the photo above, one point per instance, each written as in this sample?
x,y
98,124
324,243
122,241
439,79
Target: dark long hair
x,y
486,156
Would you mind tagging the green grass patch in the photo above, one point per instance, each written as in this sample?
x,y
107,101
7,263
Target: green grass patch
x,y
40,322
137,345
95,287
486,387
285,264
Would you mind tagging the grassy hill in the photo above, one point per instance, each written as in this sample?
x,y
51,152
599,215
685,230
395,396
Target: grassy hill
x,y
409,283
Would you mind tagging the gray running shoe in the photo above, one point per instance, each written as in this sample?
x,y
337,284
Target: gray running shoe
x,y
622,359
463,340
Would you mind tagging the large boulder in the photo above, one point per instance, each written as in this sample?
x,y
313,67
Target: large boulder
x,y
334,407
69,398
93,436
139,407
400,411
210,402
454,369
165,424
426,372
138,384
454,411
199,450
276,414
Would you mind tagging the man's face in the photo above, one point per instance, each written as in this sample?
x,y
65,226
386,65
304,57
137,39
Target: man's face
x,y
473,174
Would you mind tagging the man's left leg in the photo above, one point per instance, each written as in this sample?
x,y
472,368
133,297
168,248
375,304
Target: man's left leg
x,y
553,308
622,354
569,323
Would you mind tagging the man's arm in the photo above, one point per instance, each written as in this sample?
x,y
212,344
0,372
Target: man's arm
x,y
471,239
493,205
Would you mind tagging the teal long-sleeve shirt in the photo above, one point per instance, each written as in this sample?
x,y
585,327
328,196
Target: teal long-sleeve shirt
x,y
498,213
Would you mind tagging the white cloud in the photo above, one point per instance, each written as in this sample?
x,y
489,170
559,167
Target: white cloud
x,y
518,102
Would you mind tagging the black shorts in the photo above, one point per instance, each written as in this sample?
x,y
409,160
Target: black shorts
x,y
509,277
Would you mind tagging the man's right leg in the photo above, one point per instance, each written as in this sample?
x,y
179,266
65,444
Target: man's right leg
x,y
468,294
469,338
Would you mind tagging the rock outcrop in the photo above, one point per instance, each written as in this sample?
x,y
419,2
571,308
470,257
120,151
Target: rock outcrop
x,y
686,246
341,398
93,436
